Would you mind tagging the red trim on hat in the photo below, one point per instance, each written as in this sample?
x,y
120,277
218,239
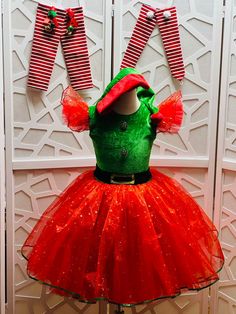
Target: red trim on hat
x,y
126,84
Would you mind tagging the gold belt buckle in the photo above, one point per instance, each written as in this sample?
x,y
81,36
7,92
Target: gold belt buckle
x,y
113,175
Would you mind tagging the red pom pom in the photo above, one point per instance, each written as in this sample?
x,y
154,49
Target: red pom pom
x,y
73,22
55,21
71,18
170,115
70,13
75,110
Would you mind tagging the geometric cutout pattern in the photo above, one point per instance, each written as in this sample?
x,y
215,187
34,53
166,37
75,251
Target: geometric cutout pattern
x,y
39,131
226,286
200,46
34,191
230,135
224,292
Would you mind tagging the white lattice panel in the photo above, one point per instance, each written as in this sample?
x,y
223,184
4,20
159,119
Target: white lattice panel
x,y
226,302
224,293
38,128
200,30
34,191
39,134
187,304
2,188
230,135
199,25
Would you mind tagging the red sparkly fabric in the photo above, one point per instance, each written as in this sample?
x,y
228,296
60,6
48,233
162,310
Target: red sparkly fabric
x,y
170,115
75,110
124,243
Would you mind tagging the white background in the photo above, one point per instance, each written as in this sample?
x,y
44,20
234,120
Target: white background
x,y
43,155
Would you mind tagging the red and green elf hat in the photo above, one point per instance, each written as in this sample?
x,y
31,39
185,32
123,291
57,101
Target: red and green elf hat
x,y
126,80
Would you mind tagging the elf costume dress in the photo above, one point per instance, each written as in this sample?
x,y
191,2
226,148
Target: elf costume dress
x,y
124,231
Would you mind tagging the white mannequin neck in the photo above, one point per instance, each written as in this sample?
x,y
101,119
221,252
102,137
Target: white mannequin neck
x,y
127,103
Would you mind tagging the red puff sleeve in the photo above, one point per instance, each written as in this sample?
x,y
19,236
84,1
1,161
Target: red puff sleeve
x,y
75,110
170,114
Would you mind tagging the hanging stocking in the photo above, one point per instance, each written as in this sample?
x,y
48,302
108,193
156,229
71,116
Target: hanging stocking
x,y
168,26
141,33
166,19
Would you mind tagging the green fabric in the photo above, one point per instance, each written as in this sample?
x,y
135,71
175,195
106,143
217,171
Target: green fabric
x,y
110,140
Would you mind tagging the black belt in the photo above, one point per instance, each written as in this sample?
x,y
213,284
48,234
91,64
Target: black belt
x,y
115,178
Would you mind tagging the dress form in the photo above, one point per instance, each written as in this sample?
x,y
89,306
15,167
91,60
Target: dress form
x,y
127,103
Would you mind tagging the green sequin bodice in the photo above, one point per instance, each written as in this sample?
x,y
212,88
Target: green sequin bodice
x,y
123,143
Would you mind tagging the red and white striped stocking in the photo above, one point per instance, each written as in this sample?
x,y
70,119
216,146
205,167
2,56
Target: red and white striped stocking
x,y
44,48
76,54
167,21
168,26
141,33
45,45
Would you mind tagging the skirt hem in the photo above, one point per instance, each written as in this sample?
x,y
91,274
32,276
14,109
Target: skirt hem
x,y
94,300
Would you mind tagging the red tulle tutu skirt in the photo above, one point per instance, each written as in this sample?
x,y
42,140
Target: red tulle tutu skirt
x,y
127,244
